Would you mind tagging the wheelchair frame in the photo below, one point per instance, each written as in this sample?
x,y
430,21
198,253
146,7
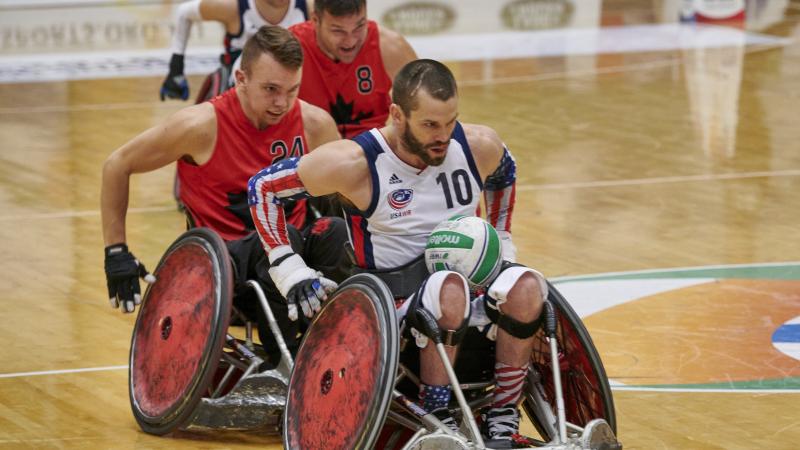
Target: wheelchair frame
x,y
228,389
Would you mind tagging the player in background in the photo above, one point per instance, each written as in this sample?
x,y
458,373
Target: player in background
x,y
241,19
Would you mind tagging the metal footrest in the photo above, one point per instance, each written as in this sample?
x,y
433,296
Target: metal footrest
x,y
257,402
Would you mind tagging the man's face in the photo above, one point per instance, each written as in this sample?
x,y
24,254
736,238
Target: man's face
x,y
426,131
341,38
270,90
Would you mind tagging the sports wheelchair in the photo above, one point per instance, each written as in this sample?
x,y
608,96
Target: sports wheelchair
x,y
347,387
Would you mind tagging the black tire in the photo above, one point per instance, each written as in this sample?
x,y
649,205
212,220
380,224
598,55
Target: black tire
x,y
587,394
167,376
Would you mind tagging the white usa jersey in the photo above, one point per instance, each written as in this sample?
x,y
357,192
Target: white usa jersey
x,y
251,20
407,203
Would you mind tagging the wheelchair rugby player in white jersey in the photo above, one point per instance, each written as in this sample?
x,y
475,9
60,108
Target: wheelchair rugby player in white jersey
x,y
407,185
241,20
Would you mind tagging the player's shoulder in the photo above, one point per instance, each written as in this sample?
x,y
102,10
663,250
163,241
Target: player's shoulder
x,y
388,34
485,145
316,121
392,40
395,49
220,10
342,156
302,30
313,114
482,138
343,153
198,117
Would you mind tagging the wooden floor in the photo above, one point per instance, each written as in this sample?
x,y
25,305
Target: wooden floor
x,y
631,162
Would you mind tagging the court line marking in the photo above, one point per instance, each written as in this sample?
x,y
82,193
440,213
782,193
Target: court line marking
x,y
62,371
76,4
521,187
657,64
668,270
85,213
42,440
643,66
705,390
465,83
660,180
93,107
615,386
650,65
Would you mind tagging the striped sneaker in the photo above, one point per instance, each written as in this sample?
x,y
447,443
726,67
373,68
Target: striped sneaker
x,y
500,428
444,416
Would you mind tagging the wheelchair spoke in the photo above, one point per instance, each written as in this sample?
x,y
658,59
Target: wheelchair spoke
x,y
583,381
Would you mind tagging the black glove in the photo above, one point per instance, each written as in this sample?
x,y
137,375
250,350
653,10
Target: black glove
x,y
301,285
122,275
175,85
309,294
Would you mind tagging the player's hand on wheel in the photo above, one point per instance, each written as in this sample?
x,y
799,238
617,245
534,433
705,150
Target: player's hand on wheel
x,y
309,295
302,286
175,85
123,271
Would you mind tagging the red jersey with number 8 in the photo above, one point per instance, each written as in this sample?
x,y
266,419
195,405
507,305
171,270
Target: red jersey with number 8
x,y
215,193
356,94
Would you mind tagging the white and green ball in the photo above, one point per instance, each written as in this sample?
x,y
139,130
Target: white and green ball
x,y
467,245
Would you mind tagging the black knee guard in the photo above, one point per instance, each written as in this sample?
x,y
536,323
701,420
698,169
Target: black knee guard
x,y
449,337
510,325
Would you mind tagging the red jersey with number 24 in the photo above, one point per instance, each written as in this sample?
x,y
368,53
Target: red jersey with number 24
x,y
356,94
215,193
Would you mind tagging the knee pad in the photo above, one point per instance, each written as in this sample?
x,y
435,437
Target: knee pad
x,y
427,296
497,294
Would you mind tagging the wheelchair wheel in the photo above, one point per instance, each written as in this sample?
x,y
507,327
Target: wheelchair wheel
x,y
215,84
587,395
341,384
180,331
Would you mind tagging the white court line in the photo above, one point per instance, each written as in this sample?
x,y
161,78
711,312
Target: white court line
x,y
521,187
59,372
649,65
574,73
705,390
614,385
659,180
88,213
466,83
91,107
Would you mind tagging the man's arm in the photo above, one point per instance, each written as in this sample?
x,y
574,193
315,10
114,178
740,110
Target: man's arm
x,y
499,172
396,52
318,125
328,169
335,167
190,131
226,12
338,166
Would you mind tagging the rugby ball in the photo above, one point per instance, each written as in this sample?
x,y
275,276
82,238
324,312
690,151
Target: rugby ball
x,y
465,244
